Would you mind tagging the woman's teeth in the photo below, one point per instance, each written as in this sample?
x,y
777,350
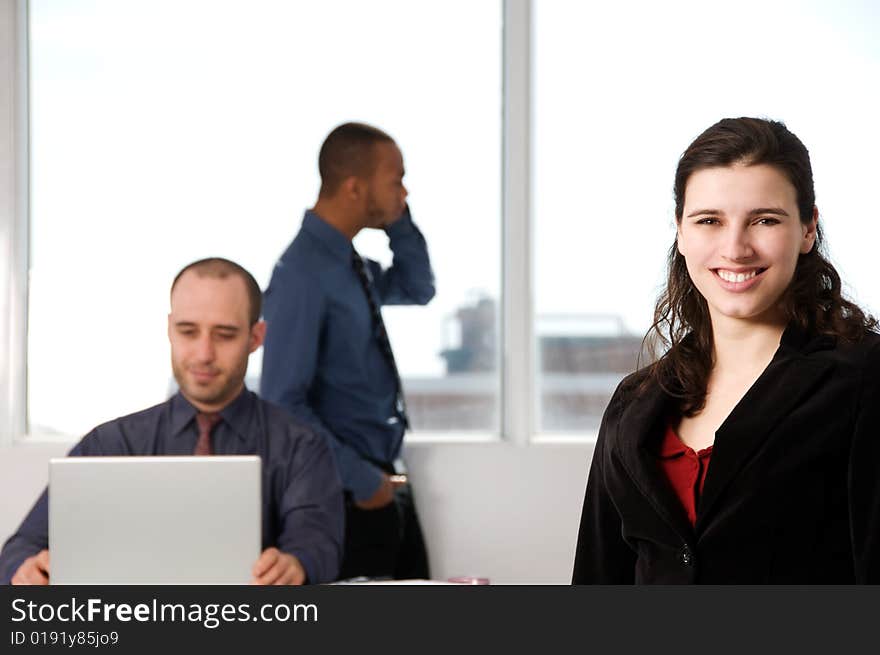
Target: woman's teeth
x,y
730,276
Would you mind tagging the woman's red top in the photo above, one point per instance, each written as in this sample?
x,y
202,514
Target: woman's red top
x,y
685,469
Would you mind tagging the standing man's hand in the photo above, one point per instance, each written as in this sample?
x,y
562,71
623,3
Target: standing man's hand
x,y
389,222
277,568
384,494
34,570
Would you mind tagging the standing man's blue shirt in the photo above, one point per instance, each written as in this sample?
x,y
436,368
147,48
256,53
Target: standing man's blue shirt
x,y
322,359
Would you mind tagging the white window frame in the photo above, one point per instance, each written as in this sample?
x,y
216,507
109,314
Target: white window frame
x,y
14,213
518,402
517,361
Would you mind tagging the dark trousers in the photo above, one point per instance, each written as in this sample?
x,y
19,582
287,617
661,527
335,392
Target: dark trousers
x,y
385,542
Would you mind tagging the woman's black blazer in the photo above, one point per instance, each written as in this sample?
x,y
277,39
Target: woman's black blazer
x,y
791,496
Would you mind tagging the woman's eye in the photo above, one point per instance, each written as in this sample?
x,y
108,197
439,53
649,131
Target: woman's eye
x,y
707,221
768,221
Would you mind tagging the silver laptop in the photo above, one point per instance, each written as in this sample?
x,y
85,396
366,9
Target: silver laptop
x,y
154,520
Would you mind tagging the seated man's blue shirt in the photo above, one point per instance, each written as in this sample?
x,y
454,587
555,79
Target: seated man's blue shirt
x,y
302,510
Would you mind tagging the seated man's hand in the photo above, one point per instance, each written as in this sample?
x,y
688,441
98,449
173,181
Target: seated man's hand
x,y
277,568
34,570
384,494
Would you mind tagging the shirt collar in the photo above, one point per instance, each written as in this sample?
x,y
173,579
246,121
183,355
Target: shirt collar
x,y
672,446
236,414
335,241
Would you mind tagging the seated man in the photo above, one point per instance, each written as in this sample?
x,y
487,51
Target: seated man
x,y
213,326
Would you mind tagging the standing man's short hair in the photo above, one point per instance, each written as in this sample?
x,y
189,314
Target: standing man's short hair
x,y
220,268
348,151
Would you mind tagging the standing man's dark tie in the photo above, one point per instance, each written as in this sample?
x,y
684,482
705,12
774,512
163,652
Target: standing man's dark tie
x,y
381,334
206,423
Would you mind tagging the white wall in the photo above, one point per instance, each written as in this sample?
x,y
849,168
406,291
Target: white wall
x,y
24,471
508,513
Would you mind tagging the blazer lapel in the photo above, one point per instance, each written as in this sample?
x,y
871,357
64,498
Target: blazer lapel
x,y
640,430
787,380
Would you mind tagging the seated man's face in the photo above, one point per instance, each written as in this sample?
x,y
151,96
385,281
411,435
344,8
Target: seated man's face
x,y
210,338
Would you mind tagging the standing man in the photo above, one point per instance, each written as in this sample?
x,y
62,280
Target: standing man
x,y
327,356
213,326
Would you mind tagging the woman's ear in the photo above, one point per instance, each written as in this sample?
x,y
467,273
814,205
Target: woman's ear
x,y
810,232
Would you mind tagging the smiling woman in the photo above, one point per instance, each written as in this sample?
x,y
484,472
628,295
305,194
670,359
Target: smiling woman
x,y
741,256
766,371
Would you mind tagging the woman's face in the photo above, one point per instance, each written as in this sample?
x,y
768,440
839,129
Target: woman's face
x,y
741,234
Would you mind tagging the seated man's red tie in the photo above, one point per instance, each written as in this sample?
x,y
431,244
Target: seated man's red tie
x,y
206,423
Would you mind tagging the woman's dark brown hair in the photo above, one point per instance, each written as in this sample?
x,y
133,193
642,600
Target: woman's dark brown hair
x,y
681,335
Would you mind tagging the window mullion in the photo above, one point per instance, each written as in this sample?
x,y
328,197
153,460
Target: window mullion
x,y
13,219
518,401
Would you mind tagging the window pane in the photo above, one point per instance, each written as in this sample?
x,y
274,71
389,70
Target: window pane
x,y
620,91
163,132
